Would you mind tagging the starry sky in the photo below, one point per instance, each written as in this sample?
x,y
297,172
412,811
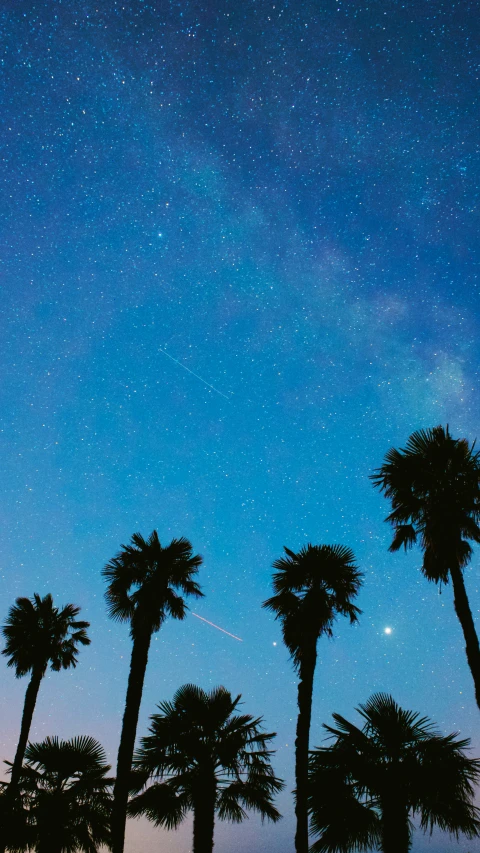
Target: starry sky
x,y
239,261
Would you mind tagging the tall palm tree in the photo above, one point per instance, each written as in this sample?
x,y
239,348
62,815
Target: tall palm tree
x,y
209,760
311,588
38,634
434,488
365,787
66,796
145,580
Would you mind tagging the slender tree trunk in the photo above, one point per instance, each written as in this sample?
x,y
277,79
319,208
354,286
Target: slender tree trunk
x,y
396,836
138,666
462,609
204,817
305,690
28,709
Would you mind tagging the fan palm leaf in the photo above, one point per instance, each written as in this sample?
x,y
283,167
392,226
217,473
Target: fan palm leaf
x,y
367,785
208,760
67,795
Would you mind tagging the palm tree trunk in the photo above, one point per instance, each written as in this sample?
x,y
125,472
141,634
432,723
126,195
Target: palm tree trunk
x,y
305,691
28,709
462,609
138,666
204,817
396,836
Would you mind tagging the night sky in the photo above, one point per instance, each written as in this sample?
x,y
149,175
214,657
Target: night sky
x,y
239,261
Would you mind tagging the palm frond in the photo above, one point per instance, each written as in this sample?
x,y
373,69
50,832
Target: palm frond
x,y
405,536
146,582
397,749
433,485
67,794
162,805
311,588
38,634
343,821
198,737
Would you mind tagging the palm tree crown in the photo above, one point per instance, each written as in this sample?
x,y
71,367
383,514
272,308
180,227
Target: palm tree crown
x,y
311,588
364,788
66,795
38,634
434,488
210,760
145,580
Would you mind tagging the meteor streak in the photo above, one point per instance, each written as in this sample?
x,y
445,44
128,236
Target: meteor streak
x,y
197,377
216,626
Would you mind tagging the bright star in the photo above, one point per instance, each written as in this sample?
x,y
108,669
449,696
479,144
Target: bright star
x,y
388,630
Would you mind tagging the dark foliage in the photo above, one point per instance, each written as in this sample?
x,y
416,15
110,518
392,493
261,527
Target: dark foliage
x,y
209,760
365,787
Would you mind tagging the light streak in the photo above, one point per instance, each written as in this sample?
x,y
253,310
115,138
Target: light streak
x,y
194,374
216,626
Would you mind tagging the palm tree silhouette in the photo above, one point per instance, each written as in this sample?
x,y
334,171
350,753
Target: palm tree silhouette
x,y
365,787
38,634
66,797
210,760
311,588
144,584
434,488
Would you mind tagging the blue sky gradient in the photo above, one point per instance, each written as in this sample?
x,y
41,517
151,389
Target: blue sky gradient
x,y
283,198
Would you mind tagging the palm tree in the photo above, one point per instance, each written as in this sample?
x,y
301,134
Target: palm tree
x,y
209,760
434,488
66,796
311,588
144,584
38,634
365,787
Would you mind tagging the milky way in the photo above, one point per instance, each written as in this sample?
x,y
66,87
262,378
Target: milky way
x,y
283,198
